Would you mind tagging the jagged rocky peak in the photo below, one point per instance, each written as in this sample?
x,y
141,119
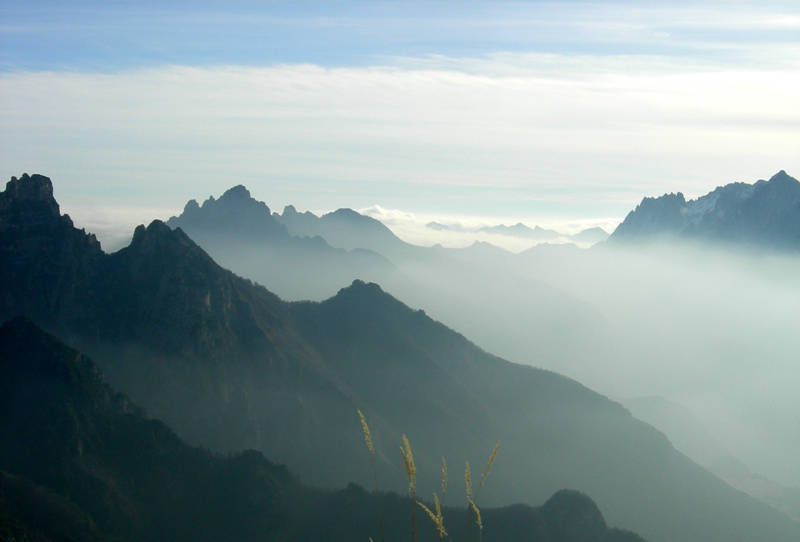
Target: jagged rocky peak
x,y
239,191
764,214
31,187
29,199
157,246
191,207
158,233
360,287
783,177
239,197
235,210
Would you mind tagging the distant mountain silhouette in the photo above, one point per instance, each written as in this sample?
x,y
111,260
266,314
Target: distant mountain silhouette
x,y
537,233
764,214
590,235
80,461
241,233
521,230
231,366
344,228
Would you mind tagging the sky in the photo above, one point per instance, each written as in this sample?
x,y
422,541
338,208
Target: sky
x,y
559,114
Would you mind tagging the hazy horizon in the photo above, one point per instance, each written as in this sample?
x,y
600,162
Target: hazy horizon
x,y
545,112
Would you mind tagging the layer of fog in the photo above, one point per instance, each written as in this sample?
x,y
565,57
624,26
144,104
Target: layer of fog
x,y
459,231
711,330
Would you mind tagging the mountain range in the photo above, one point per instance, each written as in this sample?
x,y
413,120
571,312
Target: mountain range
x,y
498,309
488,293
590,235
763,214
231,366
299,266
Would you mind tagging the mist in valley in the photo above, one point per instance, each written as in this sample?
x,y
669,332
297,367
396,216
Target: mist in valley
x,y
703,330
712,330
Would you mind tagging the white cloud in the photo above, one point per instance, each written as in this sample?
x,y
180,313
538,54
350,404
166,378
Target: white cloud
x,y
574,137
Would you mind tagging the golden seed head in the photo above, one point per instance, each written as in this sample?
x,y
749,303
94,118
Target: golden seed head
x,y
367,436
444,476
427,511
440,520
469,482
408,463
436,518
489,465
477,514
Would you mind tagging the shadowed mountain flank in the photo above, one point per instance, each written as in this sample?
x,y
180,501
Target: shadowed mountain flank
x,y
82,462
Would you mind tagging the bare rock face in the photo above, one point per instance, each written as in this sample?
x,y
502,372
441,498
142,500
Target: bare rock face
x,y
765,214
29,200
46,264
235,211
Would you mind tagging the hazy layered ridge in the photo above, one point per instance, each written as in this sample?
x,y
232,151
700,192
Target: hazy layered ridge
x,y
82,462
464,288
249,368
708,326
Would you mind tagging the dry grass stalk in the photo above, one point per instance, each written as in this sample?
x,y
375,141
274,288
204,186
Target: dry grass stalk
x,y
437,517
367,435
444,479
408,462
488,466
411,472
468,480
474,508
368,438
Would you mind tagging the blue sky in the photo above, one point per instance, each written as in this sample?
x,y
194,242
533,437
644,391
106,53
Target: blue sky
x,y
544,112
110,36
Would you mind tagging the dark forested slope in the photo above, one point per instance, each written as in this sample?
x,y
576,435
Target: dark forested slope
x,y
79,461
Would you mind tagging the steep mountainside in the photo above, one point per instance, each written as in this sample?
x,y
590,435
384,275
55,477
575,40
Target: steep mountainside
x,y
231,366
766,213
81,462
